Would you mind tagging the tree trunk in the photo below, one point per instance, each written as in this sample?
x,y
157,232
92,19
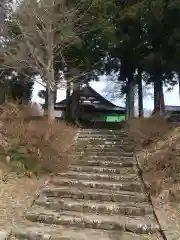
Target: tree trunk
x,y
130,97
127,105
179,83
55,95
68,104
51,111
75,101
140,93
56,78
46,98
132,109
157,95
162,99
51,90
25,99
46,95
2,94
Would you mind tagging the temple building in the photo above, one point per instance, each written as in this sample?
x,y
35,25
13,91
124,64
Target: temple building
x,y
93,107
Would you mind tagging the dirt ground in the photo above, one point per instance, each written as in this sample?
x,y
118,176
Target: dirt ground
x,y
16,195
168,214
167,211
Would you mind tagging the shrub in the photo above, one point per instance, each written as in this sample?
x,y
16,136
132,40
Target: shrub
x,y
33,142
157,143
145,131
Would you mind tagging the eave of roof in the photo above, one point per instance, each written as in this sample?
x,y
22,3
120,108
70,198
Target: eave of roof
x,y
105,103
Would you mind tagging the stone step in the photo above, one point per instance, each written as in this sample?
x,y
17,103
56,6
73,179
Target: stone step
x,y
93,194
103,146
91,138
100,176
100,141
105,150
107,154
81,184
101,155
104,136
46,232
113,134
109,158
103,131
83,206
97,169
90,220
109,163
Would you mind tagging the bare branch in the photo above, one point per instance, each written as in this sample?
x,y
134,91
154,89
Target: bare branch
x,y
38,33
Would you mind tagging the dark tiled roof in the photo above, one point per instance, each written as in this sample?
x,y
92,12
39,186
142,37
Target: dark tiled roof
x,y
89,92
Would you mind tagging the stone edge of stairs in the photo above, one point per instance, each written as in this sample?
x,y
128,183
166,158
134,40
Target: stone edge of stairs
x,y
165,232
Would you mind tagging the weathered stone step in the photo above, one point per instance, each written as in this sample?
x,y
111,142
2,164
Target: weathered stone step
x,y
102,141
106,222
83,206
103,132
100,176
91,138
93,194
94,155
102,129
109,163
105,150
81,184
101,146
107,154
99,135
97,169
110,158
46,232
90,128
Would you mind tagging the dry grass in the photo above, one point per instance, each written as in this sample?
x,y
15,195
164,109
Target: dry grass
x,y
32,145
29,146
146,131
158,149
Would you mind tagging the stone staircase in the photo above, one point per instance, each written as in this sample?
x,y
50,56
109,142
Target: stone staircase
x,y
101,197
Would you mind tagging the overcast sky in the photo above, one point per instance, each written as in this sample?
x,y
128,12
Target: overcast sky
x,y
171,98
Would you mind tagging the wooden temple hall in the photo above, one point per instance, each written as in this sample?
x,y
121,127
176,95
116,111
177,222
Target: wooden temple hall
x,y
93,107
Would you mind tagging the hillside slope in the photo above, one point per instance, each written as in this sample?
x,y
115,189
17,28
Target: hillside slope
x,y
30,150
158,152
